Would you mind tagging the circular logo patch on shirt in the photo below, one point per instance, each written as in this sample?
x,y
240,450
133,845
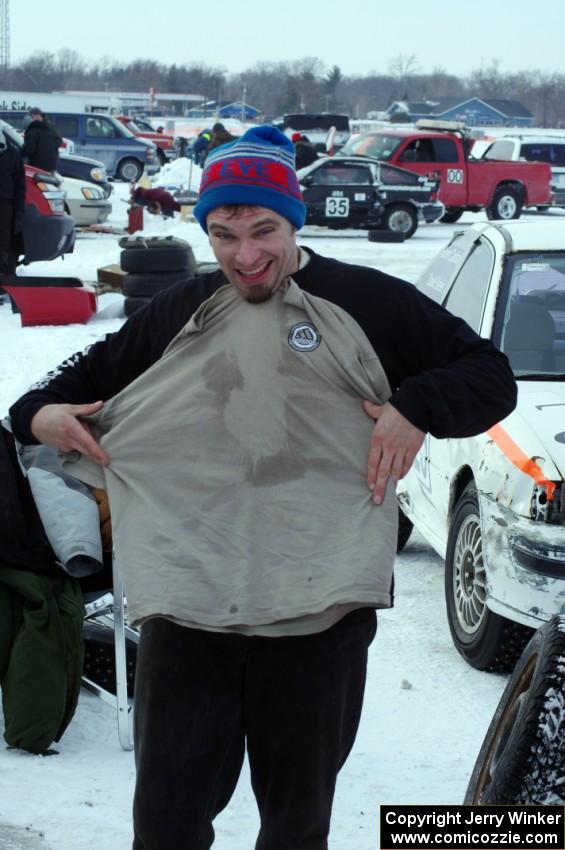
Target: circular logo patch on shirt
x,y
304,337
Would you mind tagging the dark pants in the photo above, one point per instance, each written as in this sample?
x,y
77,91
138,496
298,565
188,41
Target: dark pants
x,y
201,697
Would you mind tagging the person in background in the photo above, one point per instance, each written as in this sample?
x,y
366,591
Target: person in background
x,y
304,151
200,146
250,425
12,205
42,141
220,136
157,201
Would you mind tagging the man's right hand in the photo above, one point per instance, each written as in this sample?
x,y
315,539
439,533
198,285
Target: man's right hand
x,y
59,426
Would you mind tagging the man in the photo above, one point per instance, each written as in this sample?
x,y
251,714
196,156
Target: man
x,y
200,146
41,142
157,201
12,205
219,136
255,538
304,151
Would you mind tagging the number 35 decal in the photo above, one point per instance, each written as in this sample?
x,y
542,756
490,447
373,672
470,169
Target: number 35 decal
x,y
337,207
455,175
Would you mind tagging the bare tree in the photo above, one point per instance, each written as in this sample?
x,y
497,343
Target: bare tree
x,y
35,73
403,67
303,85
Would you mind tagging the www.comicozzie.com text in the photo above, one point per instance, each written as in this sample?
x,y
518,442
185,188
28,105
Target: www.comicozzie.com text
x,y
503,820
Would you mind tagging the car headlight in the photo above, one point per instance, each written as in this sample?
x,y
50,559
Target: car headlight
x,y
92,193
98,174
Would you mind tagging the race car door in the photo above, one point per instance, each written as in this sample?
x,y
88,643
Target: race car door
x,y
439,155
339,193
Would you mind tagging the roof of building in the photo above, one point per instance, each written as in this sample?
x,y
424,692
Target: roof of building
x,y
507,108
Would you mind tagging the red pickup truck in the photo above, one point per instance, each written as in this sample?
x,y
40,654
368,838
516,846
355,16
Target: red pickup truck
x,y
164,142
443,148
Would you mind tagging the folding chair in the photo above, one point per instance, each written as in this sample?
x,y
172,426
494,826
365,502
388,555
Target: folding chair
x,y
108,610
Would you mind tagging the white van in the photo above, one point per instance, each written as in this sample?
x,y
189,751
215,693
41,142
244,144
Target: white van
x,y
550,149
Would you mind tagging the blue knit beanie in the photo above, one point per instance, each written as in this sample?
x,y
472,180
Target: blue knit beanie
x,y
257,169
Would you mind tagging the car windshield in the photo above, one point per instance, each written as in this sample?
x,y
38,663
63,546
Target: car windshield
x,y
143,125
533,332
378,145
135,128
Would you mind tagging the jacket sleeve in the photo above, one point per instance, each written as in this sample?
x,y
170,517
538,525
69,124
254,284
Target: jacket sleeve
x,y
107,366
445,378
29,148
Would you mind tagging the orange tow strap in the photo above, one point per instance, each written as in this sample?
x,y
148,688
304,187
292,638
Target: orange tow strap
x,y
515,454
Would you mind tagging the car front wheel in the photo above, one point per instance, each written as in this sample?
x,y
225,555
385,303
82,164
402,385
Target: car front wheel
x,y
486,640
130,170
401,218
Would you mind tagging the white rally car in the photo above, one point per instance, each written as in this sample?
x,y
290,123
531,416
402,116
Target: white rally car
x,y
494,505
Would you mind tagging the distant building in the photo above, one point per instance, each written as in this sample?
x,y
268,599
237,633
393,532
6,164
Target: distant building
x,y
239,109
408,111
150,101
206,109
224,109
474,111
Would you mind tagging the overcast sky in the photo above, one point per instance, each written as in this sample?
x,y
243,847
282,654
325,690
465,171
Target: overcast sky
x,y
359,36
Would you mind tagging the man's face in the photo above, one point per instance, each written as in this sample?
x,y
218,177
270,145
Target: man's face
x,y
255,248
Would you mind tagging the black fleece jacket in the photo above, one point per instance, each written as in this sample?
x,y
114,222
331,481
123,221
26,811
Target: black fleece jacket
x,y
12,178
444,378
41,145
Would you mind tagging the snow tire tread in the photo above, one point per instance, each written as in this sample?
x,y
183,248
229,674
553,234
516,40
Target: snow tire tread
x,y
531,766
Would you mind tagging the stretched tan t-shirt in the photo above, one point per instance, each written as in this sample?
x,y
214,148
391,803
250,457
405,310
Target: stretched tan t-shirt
x,y
237,481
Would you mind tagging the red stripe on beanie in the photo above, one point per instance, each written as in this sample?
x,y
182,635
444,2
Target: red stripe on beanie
x,y
251,171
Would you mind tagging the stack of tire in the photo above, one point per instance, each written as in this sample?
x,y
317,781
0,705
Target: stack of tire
x,y
152,265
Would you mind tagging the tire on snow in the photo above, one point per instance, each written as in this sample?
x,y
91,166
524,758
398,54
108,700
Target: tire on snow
x,y
522,759
147,285
451,215
379,235
152,242
158,260
133,304
486,640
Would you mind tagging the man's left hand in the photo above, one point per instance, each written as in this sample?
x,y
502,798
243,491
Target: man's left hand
x,y
394,445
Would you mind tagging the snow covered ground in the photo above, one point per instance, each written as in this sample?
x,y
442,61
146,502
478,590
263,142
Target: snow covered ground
x,y
426,711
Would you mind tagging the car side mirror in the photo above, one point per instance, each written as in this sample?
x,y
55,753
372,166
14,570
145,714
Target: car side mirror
x,y
307,181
